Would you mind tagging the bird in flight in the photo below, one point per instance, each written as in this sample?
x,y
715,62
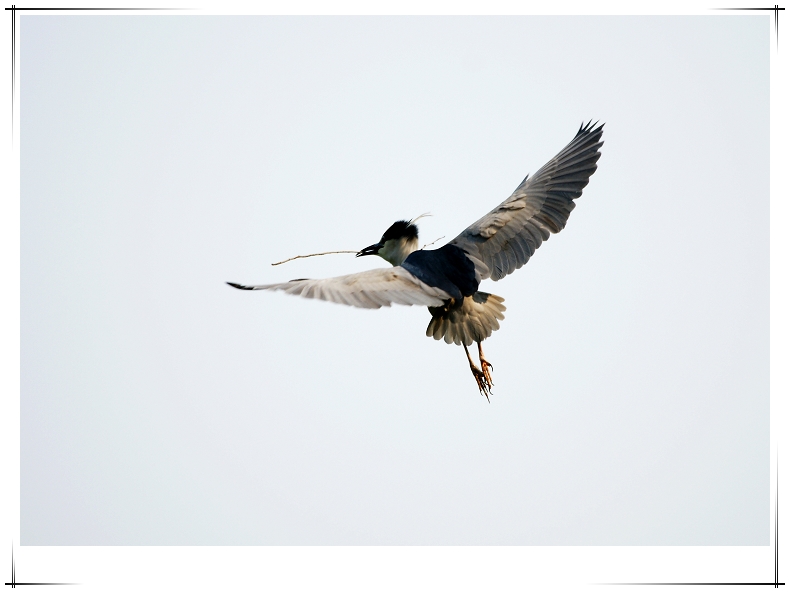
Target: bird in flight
x,y
446,279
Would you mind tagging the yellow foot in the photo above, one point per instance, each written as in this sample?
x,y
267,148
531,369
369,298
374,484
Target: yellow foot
x,y
486,372
483,379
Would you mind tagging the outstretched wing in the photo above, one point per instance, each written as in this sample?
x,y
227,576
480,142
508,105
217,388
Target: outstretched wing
x,y
505,238
372,289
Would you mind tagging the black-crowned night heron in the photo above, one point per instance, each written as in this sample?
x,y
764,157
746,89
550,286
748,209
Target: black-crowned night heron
x,y
446,279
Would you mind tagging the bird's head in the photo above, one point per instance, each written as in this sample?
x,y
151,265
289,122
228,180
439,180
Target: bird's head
x,y
396,243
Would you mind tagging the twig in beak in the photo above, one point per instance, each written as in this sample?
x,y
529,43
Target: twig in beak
x,y
310,255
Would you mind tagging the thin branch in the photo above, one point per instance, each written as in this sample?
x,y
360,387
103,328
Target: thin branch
x,y
310,255
432,242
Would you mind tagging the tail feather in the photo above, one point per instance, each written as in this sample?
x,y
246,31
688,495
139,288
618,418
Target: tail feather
x,y
473,320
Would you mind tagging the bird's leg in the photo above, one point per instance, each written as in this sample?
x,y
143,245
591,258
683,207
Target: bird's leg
x,y
483,383
485,364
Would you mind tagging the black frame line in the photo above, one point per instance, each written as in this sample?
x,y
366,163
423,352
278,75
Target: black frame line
x,y
44,8
13,584
776,8
13,68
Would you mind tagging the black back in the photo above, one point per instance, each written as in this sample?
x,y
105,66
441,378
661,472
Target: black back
x,y
447,268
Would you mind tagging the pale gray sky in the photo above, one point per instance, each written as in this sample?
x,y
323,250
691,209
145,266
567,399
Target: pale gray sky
x,y
163,156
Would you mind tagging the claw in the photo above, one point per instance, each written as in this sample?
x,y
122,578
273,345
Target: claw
x,y
483,382
486,365
486,372
482,378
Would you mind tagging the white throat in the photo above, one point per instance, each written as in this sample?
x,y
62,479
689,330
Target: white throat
x,y
395,251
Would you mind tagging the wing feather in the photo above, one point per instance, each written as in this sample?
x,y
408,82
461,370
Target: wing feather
x,y
518,249
505,238
372,289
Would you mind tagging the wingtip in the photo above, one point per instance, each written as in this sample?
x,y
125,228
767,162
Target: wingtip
x,y
239,286
590,127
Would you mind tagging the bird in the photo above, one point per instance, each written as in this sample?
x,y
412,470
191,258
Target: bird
x,y
446,279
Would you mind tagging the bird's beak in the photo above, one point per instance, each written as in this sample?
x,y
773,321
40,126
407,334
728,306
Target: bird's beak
x,y
372,250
